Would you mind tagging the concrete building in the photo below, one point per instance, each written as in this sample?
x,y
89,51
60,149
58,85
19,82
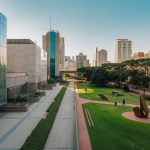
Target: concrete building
x,y
137,55
16,84
101,57
70,63
123,50
24,56
3,59
82,61
54,45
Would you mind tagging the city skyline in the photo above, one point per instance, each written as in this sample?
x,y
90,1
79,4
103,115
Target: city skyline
x,y
84,25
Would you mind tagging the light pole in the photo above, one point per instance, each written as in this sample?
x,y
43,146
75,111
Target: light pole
x,y
27,93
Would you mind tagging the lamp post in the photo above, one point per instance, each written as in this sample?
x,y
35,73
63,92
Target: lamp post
x,y
27,93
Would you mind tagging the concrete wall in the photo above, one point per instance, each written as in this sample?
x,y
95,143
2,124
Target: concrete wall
x,y
16,80
27,58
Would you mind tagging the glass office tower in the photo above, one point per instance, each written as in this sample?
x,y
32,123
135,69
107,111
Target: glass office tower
x,y
53,43
3,59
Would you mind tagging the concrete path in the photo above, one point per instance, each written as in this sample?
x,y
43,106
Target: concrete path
x,y
83,101
63,133
16,127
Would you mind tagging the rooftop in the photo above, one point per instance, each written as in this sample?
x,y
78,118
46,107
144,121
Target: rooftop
x,y
19,41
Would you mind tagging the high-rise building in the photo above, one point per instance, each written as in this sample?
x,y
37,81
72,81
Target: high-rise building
x,y
66,62
101,57
24,56
61,53
82,61
3,59
123,50
55,47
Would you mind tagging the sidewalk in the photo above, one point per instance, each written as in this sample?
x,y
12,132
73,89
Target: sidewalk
x,y
83,136
63,132
16,127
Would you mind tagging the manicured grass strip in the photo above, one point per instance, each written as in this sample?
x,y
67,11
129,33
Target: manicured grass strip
x,y
38,137
93,93
111,131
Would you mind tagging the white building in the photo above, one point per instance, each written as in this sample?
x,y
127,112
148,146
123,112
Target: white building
x,y
23,55
70,64
123,50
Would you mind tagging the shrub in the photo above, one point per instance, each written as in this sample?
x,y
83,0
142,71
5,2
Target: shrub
x,y
147,97
114,93
125,88
51,81
103,97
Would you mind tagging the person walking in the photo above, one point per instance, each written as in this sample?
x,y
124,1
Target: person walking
x,y
115,103
123,102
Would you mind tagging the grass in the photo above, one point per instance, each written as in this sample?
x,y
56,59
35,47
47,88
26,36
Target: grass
x,y
114,132
92,93
38,137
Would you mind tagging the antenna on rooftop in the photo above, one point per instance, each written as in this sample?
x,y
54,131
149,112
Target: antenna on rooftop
x,y
50,25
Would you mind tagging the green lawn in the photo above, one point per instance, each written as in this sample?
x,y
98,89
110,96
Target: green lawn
x,y
92,93
114,132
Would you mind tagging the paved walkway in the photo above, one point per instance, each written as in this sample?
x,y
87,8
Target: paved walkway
x,y
83,136
16,127
63,133
131,116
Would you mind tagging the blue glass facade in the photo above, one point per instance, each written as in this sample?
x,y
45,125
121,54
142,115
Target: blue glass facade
x,y
53,40
3,59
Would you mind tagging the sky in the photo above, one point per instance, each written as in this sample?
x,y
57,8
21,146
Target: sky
x,y
85,24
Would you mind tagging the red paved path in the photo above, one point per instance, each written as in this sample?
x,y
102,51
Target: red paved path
x,y
83,136
131,116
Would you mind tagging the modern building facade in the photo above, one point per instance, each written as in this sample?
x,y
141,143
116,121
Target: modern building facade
x,y
101,57
54,45
123,50
3,59
82,61
27,59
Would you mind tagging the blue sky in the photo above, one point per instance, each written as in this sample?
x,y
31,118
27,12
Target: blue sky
x,y
85,24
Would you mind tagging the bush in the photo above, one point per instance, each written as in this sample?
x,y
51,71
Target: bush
x,y
114,93
51,81
147,97
125,88
103,97
38,137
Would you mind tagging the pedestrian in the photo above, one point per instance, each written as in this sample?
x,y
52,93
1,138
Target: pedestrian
x,y
115,103
123,102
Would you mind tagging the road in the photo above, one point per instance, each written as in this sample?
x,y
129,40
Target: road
x,y
63,133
